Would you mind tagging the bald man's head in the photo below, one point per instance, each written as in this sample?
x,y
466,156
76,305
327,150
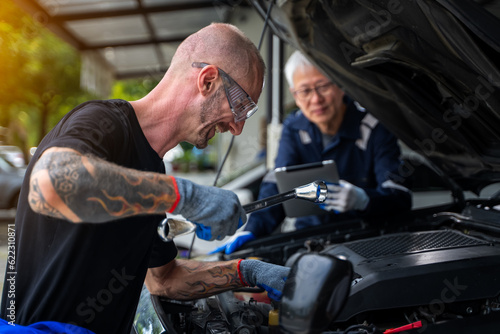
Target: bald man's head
x,y
225,46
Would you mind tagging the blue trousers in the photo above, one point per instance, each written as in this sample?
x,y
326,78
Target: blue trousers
x,y
44,327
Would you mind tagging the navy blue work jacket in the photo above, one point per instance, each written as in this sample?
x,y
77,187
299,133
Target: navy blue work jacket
x,y
366,153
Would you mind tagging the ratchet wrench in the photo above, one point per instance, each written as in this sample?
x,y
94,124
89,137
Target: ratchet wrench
x,y
313,192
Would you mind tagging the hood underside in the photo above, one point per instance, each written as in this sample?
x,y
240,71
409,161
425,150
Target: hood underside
x,y
427,69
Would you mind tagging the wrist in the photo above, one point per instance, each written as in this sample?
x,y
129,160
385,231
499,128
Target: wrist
x,y
177,195
240,276
363,199
184,191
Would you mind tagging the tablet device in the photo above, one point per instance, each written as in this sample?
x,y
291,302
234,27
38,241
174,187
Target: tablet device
x,y
291,177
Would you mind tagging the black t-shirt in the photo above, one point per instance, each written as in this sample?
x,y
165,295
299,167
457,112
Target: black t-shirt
x,y
88,274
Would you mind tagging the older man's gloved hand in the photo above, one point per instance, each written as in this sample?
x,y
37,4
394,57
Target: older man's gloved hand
x,y
217,212
267,276
235,242
344,197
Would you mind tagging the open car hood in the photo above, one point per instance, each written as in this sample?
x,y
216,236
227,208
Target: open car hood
x,y
427,69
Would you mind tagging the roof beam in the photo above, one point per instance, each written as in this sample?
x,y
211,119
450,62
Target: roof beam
x,y
126,12
135,42
159,53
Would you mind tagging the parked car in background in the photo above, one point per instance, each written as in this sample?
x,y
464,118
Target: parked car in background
x,y
11,179
13,154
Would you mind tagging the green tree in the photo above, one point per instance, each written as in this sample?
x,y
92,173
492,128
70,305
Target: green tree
x,y
40,77
133,89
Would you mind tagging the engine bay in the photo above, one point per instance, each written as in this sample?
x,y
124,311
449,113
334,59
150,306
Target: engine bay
x,y
437,275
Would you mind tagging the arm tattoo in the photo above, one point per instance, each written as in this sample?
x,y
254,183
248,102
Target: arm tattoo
x,y
215,279
97,191
38,201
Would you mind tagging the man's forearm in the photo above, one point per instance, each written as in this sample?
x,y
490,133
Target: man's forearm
x,y
65,184
189,279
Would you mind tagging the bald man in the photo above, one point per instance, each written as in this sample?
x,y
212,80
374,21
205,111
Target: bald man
x,y
96,189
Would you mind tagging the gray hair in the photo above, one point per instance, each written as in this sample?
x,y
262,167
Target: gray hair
x,y
296,60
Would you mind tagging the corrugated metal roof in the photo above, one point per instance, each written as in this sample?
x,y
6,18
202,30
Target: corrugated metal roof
x,y
134,37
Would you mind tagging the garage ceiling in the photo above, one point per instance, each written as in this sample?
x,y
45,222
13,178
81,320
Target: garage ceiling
x,y
134,37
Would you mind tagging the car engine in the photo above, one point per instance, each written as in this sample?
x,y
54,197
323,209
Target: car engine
x,y
439,276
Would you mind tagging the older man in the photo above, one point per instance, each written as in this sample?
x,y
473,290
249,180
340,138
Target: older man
x,y
329,125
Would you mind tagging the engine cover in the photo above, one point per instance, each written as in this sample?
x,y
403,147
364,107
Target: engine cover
x,y
424,269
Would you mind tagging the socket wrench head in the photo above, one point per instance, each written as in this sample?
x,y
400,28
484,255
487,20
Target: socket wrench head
x,y
314,192
176,227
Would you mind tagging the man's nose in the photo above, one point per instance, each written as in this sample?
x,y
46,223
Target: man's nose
x,y
316,96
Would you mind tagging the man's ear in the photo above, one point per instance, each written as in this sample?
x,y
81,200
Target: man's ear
x,y
206,79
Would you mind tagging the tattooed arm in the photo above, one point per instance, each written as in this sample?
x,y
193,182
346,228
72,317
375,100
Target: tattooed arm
x,y
189,279
66,184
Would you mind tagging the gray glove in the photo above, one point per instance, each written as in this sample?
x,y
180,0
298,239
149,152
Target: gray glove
x,y
267,276
344,197
217,212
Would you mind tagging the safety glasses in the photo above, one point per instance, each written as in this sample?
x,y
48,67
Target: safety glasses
x,y
241,104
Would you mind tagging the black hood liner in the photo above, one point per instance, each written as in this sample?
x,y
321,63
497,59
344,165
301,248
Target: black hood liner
x,y
427,69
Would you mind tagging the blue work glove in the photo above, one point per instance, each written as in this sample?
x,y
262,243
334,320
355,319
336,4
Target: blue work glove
x,y
217,212
42,327
267,276
235,242
344,197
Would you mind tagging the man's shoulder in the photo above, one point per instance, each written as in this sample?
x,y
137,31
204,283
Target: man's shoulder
x,y
110,105
378,133
365,118
115,111
369,120
93,125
